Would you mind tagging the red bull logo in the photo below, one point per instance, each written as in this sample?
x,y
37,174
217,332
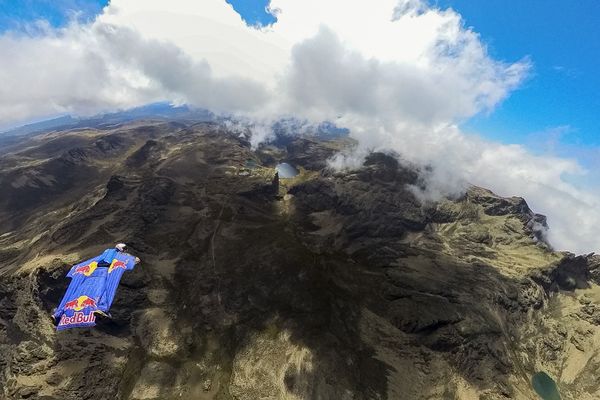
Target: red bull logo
x,y
116,264
77,318
86,270
80,303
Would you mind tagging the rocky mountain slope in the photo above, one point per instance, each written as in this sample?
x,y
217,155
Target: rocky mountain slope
x,y
325,286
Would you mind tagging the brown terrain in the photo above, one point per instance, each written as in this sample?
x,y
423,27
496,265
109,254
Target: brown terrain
x,y
328,285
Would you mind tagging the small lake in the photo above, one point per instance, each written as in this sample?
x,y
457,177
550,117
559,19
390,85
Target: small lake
x,y
250,163
286,170
545,386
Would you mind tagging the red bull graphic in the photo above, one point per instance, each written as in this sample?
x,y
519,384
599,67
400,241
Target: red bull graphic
x,y
86,270
78,312
80,303
116,264
78,319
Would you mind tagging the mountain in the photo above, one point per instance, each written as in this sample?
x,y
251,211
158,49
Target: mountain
x,y
157,111
327,285
64,121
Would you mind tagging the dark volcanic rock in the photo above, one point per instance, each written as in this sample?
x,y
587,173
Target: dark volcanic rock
x,y
572,272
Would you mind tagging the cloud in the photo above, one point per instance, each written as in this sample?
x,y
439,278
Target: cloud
x,y
415,61
91,68
400,74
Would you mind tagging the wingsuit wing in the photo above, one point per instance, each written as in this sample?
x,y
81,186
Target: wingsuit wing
x,y
120,263
80,301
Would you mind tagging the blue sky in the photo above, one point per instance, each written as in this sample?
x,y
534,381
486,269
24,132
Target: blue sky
x,y
558,104
562,40
253,11
14,14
